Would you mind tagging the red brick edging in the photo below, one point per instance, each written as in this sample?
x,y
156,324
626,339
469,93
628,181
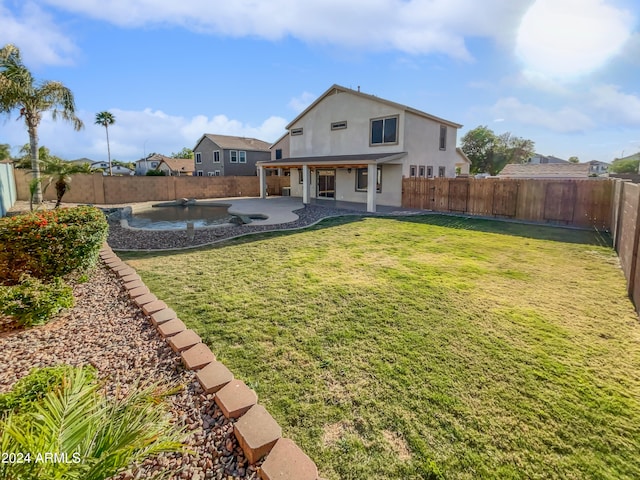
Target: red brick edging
x,y
256,430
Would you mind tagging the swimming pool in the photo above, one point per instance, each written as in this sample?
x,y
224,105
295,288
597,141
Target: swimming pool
x,y
176,217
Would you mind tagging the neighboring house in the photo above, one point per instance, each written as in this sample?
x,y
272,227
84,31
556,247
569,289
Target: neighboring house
x,y
543,159
82,161
150,163
115,169
225,155
351,146
551,170
598,168
176,167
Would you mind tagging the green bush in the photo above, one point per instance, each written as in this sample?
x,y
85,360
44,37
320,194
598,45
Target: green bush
x,y
31,389
51,243
99,437
34,302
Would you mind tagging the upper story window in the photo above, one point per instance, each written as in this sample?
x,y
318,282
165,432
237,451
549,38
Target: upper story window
x,y
216,156
278,153
443,137
198,157
296,131
339,125
242,156
384,130
233,156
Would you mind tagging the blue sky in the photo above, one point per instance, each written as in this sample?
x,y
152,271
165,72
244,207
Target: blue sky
x,y
563,73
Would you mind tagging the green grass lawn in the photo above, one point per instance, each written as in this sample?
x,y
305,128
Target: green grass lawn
x,y
399,348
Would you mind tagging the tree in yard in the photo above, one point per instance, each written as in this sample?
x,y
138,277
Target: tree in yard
x,y
59,172
105,119
184,153
574,159
20,91
624,165
5,151
489,153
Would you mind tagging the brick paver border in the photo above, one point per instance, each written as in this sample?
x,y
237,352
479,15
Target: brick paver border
x,y
258,434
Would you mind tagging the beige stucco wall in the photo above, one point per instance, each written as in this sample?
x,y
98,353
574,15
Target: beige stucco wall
x,y
318,139
282,144
423,146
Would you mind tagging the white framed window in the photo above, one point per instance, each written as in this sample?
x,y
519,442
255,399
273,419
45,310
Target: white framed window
x,y
443,137
362,175
429,172
421,171
198,157
412,170
296,131
209,174
216,173
154,164
442,171
339,125
242,156
384,131
200,173
233,156
216,156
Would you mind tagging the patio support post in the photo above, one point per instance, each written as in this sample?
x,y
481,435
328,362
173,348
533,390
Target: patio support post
x,y
305,184
372,180
263,182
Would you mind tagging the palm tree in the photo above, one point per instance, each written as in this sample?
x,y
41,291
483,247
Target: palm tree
x,y
105,119
19,90
59,172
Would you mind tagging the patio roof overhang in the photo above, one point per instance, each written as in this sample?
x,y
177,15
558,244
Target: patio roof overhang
x,y
335,161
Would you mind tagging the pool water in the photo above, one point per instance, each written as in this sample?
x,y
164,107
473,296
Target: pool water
x,y
176,217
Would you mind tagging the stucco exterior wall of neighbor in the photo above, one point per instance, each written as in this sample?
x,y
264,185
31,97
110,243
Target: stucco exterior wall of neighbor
x,y
318,139
422,140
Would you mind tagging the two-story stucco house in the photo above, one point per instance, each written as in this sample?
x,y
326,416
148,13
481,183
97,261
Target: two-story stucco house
x,y
225,155
355,147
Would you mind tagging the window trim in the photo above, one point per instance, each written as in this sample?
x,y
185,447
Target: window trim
x,y
384,119
200,173
366,172
214,156
443,137
442,172
232,154
429,171
342,125
421,171
242,156
413,170
296,131
198,157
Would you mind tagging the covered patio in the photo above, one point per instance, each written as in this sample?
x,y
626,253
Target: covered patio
x,y
347,178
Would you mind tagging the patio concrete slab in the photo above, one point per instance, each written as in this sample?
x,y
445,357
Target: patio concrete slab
x,y
278,209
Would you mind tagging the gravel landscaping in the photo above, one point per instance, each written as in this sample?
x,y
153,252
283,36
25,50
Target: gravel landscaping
x,y
105,329
127,239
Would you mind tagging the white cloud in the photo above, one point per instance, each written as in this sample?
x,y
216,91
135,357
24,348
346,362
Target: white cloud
x,y
412,26
616,106
564,120
135,133
34,31
298,104
568,38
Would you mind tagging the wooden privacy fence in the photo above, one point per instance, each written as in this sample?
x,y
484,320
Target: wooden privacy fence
x,y
626,234
574,202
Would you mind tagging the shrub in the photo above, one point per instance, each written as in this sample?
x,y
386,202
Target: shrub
x,y
30,389
100,437
33,302
51,243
